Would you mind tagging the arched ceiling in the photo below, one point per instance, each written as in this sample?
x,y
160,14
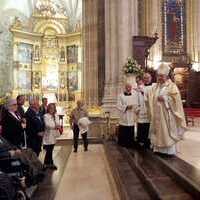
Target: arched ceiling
x,y
24,8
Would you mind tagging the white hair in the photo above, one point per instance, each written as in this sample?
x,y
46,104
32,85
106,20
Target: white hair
x,y
32,101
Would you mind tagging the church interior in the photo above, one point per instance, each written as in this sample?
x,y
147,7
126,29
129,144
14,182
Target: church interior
x,y
69,51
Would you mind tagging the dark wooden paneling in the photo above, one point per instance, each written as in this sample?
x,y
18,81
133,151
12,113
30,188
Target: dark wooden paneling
x,y
193,99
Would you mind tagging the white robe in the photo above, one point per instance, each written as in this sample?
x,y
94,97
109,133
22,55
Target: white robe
x,y
127,117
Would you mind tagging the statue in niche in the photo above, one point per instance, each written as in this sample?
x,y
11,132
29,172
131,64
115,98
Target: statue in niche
x,y
78,26
37,80
37,53
62,97
17,24
62,54
62,80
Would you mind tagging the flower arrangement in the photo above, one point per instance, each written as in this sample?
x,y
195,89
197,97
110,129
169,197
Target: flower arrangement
x,y
2,100
132,67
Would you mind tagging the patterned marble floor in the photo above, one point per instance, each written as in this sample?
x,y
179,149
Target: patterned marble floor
x,y
87,176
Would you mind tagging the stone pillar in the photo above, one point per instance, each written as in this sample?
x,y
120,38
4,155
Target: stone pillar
x,y
90,52
198,28
127,27
155,26
121,23
150,19
101,49
193,30
111,55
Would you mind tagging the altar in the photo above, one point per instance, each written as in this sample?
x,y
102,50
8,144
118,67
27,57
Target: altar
x,y
47,57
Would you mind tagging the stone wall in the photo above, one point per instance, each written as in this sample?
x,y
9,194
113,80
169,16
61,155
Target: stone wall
x,y
6,48
102,127
6,57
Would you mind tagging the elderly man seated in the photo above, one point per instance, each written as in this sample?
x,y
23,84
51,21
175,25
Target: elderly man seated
x,y
25,161
7,150
9,163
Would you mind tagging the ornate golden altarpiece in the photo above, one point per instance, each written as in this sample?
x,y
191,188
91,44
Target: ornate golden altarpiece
x,y
47,57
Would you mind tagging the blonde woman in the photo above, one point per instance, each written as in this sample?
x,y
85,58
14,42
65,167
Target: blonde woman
x,y
51,121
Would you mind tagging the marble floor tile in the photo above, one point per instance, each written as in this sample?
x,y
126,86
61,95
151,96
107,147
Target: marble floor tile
x,y
189,148
86,176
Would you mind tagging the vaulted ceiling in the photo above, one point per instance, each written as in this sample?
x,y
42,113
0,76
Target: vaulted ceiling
x,y
24,8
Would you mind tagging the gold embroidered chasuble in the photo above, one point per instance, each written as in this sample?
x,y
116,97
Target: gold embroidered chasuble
x,y
167,117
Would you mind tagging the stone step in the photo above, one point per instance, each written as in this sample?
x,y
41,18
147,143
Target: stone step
x,y
91,140
141,174
128,184
158,182
182,172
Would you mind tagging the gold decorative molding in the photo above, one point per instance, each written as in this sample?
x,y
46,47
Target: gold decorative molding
x,y
42,25
25,33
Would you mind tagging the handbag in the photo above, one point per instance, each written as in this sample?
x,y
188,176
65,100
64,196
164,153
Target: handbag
x,y
60,130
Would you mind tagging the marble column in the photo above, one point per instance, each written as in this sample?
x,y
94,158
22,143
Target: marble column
x,y
127,28
90,52
193,30
151,22
111,54
121,23
155,26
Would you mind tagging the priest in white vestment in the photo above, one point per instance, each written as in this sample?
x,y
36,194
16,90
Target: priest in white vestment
x,y
166,113
127,103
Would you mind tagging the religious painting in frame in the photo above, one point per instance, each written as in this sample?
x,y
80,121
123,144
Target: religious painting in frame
x,y
36,53
24,80
72,80
50,81
25,53
174,28
62,80
72,54
37,79
62,54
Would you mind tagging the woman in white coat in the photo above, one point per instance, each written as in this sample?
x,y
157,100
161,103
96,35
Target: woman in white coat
x,y
51,121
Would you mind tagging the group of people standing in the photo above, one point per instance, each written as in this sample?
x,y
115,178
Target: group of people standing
x,y
155,109
38,126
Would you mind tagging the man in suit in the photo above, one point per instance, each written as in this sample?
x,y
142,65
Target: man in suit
x,y
35,126
43,107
